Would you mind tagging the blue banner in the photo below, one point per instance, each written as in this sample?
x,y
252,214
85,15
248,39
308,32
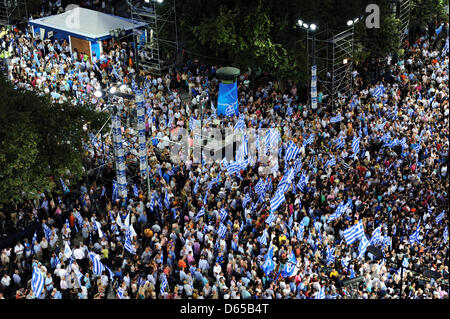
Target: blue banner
x,y
228,97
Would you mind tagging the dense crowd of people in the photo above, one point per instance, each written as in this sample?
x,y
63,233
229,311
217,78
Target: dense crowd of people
x,y
193,230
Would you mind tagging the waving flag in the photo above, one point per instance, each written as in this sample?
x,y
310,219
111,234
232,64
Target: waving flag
x,y
292,151
240,124
439,29
229,111
271,218
263,238
47,231
166,200
440,217
233,168
445,235
321,293
330,255
64,187
376,236
379,90
331,162
115,192
336,119
300,231
164,284
363,244
353,233
260,186
355,144
200,213
197,184
135,190
67,250
37,282
302,183
277,200
289,268
445,48
128,245
414,237
268,266
97,266
246,200
223,215
340,143
309,141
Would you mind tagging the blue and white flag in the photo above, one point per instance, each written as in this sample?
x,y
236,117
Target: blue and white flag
x,y
271,218
439,29
300,231
47,231
260,186
135,190
379,91
37,282
331,162
321,293
363,244
115,191
445,235
120,292
268,266
229,111
233,168
440,217
128,245
336,119
354,233
276,201
340,143
223,214
292,152
355,145
376,236
246,200
405,262
197,184
414,237
164,284
97,266
222,231
445,48
64,187
289,268
263,238
166,200
240,124
330,255
309,141
200,213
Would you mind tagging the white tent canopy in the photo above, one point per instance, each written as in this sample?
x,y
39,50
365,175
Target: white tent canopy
x,y
86,23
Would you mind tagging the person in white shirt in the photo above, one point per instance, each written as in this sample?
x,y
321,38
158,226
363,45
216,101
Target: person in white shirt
x,y
18,251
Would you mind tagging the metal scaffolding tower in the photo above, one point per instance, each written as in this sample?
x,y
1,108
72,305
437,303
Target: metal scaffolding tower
x,y
404,16
13,11
333,55
149,53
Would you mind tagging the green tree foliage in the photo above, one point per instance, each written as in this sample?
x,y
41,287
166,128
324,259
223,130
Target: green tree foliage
x,y
39,141
424,12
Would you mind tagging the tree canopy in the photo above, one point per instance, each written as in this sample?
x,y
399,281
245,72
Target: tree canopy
x,y
39,141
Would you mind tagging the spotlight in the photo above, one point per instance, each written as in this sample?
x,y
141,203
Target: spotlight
x,y
313,27
300,22
349,22
305,25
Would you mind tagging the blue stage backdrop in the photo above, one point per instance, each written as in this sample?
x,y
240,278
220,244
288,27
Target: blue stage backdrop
x,y
227,95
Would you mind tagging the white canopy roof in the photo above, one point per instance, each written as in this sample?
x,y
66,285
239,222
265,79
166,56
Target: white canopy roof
x,y
87,23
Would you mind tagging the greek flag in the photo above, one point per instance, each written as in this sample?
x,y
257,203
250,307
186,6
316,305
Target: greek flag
x,y
445,48
240,124
64,187
277,200
47,231
166,200
120,292
289,268
309,141
292,151
376,236
115,192
291,221
97,266
439,29
263,238
386,137
330,162
354,233
290,111
302,183
128,246
300,231
321,293
340,143
37,282
330,255
229,111
135,190
260,186
163,284
445,235
271,218
197,184
233,168
440,217
336,119
268,266
339,211
415,236
379,90
355,144
223,215
79,277
222,231
246,200
363,244
405,262
200,213
152,204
